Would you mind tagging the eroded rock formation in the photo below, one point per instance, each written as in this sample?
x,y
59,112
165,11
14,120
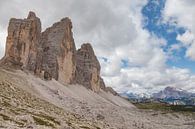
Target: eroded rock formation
x,y
52,53
88,68
57,54
22,40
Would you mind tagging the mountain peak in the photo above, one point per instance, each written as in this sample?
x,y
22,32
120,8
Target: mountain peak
x,y
169,88
31,15
51,54
171,92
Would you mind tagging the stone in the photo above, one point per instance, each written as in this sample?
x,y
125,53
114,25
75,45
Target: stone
x,y
100,117
51,54
88,68
57,53
111,90
23,37
102,84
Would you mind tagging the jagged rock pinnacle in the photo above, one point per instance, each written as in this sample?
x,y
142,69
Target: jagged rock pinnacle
x,y
88,68
52,53
31,15
22,40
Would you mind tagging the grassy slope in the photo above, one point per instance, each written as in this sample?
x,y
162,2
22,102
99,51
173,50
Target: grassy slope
x,y
20,109
164,108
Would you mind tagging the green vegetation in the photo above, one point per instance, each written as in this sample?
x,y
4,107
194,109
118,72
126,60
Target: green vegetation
x,y
47,117
84,127
7,118
165,107
16,102
41,121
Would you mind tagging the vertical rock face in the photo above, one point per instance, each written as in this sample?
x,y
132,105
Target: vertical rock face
x,y
58,52
88,68
23,37
52,53
102,84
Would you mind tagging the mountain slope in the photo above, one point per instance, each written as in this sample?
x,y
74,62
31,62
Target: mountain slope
x,y
28,101
21,108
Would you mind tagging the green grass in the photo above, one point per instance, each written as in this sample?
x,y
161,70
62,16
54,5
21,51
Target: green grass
x,y
41,121
49,118
165,107
84,127
7,118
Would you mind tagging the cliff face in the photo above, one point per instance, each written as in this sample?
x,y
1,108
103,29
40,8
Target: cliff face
x,y
22,40
57,53
88,68
52,53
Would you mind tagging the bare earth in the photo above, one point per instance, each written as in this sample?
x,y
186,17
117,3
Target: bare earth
x,y
30,102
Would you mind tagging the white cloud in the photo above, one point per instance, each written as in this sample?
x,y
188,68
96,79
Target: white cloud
x,y
144,80
187,38
115,29
2,43
181,13
150,72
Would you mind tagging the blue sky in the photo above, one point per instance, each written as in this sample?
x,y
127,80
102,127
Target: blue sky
x,y
152,13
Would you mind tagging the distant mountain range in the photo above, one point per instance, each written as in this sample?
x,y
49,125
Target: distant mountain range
x,y
172,92
170,95
135,96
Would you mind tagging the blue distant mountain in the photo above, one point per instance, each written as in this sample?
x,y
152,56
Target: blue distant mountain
x,y
169,95
172,92
175,96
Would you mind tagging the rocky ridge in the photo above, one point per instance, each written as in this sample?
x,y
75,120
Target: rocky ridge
x,y
52,53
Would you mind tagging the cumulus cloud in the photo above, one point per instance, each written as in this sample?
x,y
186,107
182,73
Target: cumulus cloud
x,y
148,71
181,13
144,80
115,29
187,38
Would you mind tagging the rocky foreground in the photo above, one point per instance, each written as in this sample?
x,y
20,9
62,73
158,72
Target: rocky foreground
x,y
27,101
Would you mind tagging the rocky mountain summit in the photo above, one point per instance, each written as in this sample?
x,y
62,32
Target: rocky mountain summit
x,y
52,53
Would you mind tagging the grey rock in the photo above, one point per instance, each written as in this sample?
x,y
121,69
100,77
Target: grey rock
x,y
52,53
57,53
88,68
